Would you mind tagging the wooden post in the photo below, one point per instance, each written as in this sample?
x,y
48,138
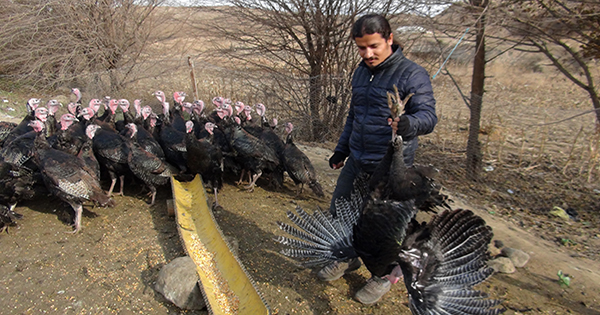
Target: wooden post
x,y
193,77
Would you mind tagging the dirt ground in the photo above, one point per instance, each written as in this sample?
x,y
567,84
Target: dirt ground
x,y
110,267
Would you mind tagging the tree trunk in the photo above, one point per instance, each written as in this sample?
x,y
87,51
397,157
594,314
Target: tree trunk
x,y
315,98
474,155
596,103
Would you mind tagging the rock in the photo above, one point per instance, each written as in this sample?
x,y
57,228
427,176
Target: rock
x,y
502,264
518,257
178,283
498,243
494,251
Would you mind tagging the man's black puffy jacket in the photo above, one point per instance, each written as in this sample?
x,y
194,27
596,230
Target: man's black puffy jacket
x,y
367,133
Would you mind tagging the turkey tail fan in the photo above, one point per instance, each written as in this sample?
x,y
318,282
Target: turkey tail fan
x,y
322,238
318,238
451,251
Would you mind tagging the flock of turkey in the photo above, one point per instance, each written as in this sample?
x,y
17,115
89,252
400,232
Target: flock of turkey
x,y
66,157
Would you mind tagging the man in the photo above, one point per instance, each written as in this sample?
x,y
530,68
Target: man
x,y
364,140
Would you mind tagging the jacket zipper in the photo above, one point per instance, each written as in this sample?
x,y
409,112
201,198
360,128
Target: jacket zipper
x,y
366,114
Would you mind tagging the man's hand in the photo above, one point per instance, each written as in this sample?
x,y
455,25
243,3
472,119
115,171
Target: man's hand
x,y
337,160
400,125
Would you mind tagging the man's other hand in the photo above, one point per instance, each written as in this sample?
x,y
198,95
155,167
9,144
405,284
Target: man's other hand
x,y
336,161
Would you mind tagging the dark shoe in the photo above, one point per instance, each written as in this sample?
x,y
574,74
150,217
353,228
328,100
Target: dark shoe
x,y
373,290
337,269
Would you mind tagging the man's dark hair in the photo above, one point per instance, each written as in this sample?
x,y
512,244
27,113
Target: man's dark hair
x,y
371,24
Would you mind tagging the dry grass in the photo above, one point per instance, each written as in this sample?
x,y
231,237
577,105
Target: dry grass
x,y
534,160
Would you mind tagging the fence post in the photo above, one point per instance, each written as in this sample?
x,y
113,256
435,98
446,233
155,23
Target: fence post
x,y
193,78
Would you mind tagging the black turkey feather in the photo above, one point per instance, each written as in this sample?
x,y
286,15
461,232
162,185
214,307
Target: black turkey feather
x,y
441,262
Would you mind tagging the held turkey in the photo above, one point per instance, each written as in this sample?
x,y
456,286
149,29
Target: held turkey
x,y
393,180
440,261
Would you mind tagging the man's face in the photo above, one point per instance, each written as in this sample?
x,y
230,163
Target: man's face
x,y
373,48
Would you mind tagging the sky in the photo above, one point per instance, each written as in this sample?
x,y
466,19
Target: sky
x,y
430,10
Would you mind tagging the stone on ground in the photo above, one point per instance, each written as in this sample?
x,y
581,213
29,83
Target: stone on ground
x,y
517,256
502,264
178,283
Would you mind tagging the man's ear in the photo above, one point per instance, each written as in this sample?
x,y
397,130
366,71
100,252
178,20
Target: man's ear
x,y
390,40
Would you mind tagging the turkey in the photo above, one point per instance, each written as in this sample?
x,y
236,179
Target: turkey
x,y
67,139
174,116
86,152
199,119
393,180
146,166
440,261
38,113
5,128
66,177
31,105
261,129
18,150
110,110
128,118
77,93
112,152
144,137
208,159
16,184
298,165
171,140
51,123
252,153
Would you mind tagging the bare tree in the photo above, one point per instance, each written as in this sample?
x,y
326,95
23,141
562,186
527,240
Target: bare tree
x,y
474,156
566,32
300,51
467,18
50,43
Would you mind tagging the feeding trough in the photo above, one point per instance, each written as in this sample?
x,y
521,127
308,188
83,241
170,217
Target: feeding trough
x,y
225,283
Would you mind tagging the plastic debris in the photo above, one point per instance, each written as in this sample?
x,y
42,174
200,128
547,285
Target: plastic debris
x,y
559,212
563,279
